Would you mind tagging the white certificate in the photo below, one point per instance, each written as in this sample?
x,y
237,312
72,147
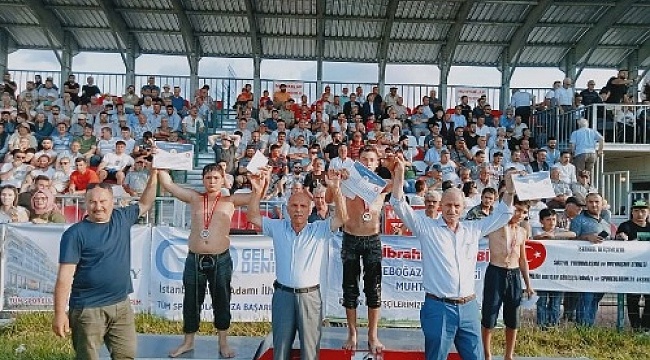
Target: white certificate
x,y
362,183
258,161
173,156
533,186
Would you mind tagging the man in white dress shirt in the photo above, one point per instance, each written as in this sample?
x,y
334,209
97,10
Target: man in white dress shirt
x,y
450,313
300,248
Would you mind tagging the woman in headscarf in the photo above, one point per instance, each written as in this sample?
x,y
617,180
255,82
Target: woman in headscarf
x,y
9,209
45,209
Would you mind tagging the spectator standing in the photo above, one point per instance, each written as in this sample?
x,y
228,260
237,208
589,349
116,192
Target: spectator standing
x,y
522,101
94,277
637,229
586,144
590,226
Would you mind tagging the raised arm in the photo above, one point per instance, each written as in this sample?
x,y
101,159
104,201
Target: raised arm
x,y
258,184
183,194
340,210
149,194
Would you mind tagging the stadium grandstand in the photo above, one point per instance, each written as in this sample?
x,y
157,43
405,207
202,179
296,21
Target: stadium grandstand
x,y
63,129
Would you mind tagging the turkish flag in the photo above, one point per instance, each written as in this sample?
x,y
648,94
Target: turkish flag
x,y
535,254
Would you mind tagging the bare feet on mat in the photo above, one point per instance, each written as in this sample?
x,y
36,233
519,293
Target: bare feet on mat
x,y
184,348
375,346
225,352
351,343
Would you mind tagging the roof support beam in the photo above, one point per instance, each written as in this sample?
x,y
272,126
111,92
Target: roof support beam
x,y
644,51
320,44
589,41
256,46
132,52
256,43
191,42
453,36
119,28
4,50
521,35
382,56
51,26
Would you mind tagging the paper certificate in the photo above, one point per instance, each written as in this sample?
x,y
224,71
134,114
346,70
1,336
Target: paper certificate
x,y
258,161
533,186
173,156
362,183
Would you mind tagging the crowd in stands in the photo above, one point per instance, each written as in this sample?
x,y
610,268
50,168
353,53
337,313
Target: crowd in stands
x,y
468,146
58,140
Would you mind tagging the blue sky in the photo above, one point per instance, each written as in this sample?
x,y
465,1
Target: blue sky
x,y
302,70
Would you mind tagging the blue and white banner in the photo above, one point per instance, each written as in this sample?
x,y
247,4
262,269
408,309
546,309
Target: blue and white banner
x,y
30,263
252,281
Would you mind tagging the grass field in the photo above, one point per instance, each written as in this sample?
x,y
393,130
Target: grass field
x,y
33,332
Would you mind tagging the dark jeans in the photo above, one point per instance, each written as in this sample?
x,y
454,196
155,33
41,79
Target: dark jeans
x,y
638,319
356,249
570,305
501,287
215,272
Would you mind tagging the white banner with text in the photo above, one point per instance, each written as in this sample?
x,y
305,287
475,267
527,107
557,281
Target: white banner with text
x,y
30,262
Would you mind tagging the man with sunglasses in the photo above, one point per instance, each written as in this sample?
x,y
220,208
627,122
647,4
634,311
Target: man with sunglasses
x,y
94,277
208,262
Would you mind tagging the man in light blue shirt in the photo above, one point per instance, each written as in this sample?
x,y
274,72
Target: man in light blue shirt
x,y
300,248
585,143
449,248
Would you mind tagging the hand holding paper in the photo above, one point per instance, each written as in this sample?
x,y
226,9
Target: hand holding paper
x,y
258,161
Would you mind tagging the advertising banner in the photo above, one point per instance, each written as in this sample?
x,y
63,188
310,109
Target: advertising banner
x,y
31,260
569,265
252,281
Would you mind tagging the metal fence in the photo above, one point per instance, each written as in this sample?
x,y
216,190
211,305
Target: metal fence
x,y
226,89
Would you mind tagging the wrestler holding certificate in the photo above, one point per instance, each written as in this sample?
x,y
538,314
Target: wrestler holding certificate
x,y
361,244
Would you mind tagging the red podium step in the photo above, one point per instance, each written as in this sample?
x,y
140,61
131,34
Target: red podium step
x,y
400,344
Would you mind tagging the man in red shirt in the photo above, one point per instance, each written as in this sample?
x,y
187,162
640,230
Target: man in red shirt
x,y
80,178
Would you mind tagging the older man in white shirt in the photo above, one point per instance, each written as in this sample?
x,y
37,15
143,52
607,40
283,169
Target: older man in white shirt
x,y
449,249
300,249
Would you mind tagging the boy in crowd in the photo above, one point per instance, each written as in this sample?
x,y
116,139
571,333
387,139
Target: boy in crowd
x,y
548,304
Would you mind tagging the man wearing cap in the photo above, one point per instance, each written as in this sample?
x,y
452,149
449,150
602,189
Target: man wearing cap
x,y
433,177
166,94
637,229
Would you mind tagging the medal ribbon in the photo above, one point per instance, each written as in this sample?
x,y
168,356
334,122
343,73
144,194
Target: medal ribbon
x,y
207,218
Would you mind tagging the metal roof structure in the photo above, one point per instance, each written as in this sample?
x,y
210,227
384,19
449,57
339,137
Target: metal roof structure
x,y
588,33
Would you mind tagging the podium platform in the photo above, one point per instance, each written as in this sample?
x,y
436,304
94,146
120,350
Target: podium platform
x,y
402,344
